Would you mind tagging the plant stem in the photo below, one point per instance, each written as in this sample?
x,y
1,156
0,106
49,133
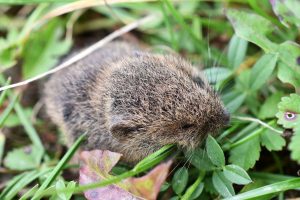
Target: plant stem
x,y
193,187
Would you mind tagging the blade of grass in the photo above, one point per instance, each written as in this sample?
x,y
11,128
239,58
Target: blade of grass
x,y
59,167
24,2
268,189
169,27
29,192
82,4
251,135
28,178
7,110
270,178
187,195
183,24
3,94
30,130
32,134
30,22
11,184
153,156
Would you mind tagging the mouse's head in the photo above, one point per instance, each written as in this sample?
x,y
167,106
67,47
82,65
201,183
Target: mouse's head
x,y
154,100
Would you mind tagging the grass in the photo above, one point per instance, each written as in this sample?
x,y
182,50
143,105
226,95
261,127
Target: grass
x,y
247,53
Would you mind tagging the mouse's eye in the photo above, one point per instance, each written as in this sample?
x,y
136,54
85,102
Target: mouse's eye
x,y
187,126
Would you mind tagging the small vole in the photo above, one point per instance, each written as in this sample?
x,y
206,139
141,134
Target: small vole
x,y
133,102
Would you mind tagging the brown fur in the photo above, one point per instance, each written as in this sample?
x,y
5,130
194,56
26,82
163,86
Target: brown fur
x,y
133,102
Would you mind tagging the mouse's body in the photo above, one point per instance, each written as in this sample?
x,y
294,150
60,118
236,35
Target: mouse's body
x,y
133,102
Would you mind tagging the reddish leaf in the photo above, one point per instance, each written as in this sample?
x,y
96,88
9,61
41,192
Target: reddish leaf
x,y
149,185
96,167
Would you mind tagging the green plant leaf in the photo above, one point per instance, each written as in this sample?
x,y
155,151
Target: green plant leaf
x,y
179,180
197,191
61,185
243,81
23,158
236,51
216,74
287,11
8,52
222,185
294,145
289,71
289,53
262,70
198,157
252,27
4,115
269,107
272,140
236,174
48,48
234,100
288,75
209,186
7,58
214,152
275,188
250,151
289,110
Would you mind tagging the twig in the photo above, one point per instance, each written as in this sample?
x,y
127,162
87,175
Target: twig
x,y
85,52
257,121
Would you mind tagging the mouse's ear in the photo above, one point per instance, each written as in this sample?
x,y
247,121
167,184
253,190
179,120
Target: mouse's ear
x,y
121,128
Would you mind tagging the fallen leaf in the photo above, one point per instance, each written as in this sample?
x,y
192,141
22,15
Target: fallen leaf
x,y
96,167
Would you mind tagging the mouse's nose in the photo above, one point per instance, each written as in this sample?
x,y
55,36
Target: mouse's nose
x,y
226,116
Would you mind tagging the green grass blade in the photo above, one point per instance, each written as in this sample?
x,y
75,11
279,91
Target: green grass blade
x,y
268,189
30,130
154,156
186,27
187,195
3,94
169,27
7,110
11,184
32,134
29,192
59,167
270,178
28,178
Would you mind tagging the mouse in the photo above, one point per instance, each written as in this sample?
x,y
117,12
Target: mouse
x,y
133,101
